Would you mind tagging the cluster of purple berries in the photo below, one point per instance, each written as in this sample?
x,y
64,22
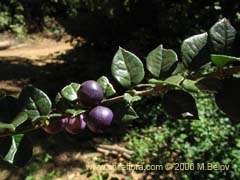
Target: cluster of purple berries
x,y
97,120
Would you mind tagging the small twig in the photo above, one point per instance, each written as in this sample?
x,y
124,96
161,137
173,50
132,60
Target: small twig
x,y
115,148
22,130
127,156
104,151
135,93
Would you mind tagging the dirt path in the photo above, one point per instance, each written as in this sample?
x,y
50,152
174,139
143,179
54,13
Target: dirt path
x,y
36,49
19,63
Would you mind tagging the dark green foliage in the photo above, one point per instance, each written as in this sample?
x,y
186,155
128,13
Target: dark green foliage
x,y
228,98
19,150
213,138
180,104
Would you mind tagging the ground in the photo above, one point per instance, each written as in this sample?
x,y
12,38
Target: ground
x,y
59,156
18,63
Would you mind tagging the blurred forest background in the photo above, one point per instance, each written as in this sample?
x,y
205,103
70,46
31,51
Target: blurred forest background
x,y
95,29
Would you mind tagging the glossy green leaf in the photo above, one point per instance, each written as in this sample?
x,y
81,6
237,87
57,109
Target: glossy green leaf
x,y
180,68
34,102
190,85
60,103
222,60
160,60
222,35
70,92
127,97
44,120
127,68
75,112
171,81
130,115
40,120
20,151
136,98
194,51
107,87
174,80
54,115
19,119
179,104
6,127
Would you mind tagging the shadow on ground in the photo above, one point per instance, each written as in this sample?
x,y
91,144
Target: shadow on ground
x,y
51,77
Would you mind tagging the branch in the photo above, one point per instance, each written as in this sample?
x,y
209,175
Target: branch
x,y
22,130
116,99
220,73
115,150
153,90
104,102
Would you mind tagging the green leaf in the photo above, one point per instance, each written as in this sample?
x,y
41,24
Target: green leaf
x,y
180,105
6,127
54,115
34,102
70,92
179,69
171,81
107,87
20,151
127,97
194,51
129,115
222,36
75,112
190,85
44,120
174,80
60,103
127,68
19,119
160,60
228,98
123,112
40,120
136,98
222,60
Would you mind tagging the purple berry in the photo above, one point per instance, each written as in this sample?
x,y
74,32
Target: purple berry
x,y
100,118
76,124
56,126
90,93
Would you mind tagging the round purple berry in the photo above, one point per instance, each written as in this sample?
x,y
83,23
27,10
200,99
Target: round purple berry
x,y
90,93
76,124
56,126
100,118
